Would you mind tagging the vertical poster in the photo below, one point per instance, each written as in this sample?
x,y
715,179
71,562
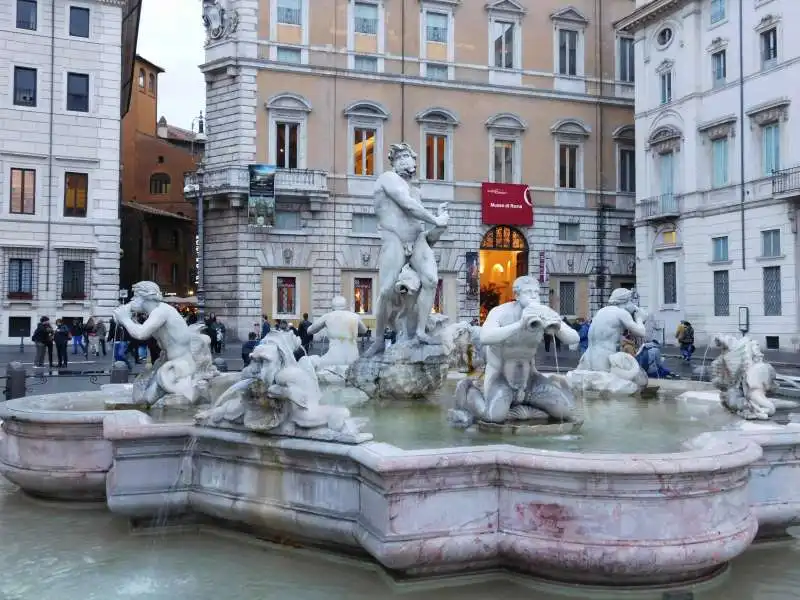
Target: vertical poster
x,y
473,275
261,202
543,275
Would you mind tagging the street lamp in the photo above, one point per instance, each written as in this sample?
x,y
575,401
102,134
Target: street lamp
x,y
196,187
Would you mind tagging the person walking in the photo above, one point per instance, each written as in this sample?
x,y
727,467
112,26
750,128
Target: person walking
x,y
302,332
43,338
61,340
100,330
90,340
685,336
77,336
265,327
249,346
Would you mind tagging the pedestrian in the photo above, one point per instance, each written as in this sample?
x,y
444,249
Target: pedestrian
x,y
302,331
627,343
43,338
90,340
650,359
154,349
61,340
264,326
249,346
77,336
685,336
583,333
100,330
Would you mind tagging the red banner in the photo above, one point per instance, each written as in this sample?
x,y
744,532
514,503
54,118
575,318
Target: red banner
x,y
506,204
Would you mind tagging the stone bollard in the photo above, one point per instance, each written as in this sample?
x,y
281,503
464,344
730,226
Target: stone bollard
x,y
221,364
15,380
120,372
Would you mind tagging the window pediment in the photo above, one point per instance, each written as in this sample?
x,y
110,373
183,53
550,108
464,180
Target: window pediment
x,y
366,109
449,3
624,133
665,65
508,121
665,139
769,112
288,101
719,128
437,116
506,6
569,14
766,22
717,44
570,127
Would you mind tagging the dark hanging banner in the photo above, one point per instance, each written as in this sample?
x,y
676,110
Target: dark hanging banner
x,y
261,203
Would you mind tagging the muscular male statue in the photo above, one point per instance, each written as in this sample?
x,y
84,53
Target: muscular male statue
x,y
402,218
510,337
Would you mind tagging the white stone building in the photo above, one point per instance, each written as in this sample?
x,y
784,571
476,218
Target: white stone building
x,y
59,161
709,249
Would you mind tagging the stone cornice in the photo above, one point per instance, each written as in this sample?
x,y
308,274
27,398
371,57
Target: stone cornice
x,y
648,14
769,112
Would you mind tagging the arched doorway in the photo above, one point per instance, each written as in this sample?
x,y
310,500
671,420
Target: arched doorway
x,y
503,258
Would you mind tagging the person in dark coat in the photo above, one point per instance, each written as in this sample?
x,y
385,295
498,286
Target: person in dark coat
x,y
248,347
61,340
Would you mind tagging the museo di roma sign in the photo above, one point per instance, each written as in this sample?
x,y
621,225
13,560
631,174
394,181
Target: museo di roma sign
x,y
506,204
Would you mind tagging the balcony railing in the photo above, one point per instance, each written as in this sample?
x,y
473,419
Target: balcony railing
x,y
786,181
665,206
310,183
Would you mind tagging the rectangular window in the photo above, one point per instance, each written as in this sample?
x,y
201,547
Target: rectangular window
x,y
626,62
719,162
286,145
362,295
627,170
288,220
365,18
365,223
717,11
566,298
435,157
153,272
670,274
364,151
173,274
368,64
290,12
669,238
19,327
20,278
436,71
289,55
569,232
771,243
24,86
74,279
721,294
503,161
76,192
772,292
719,249
26,14
627,234
568,166
23,191
78,21
438,299
436,27
719,68
78,92
769,48
771,146
503,36
287,295
666,87
567,52
666,173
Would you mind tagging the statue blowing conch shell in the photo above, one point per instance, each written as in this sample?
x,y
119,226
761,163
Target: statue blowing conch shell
x,y
280,395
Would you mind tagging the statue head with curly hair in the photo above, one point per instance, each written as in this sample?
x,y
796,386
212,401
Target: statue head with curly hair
x,y
403,160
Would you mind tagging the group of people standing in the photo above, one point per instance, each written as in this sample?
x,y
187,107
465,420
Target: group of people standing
x,y
86,337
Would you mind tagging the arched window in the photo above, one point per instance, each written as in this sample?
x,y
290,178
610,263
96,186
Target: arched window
x,y
152,84
159,183
141,78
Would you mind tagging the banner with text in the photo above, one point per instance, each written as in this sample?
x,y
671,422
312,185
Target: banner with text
x,y
506,204
261,203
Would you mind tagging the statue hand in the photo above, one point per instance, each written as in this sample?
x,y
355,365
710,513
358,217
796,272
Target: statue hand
x,y
441,220
442,208
531,318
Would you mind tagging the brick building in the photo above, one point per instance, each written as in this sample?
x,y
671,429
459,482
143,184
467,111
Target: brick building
x,y
158,224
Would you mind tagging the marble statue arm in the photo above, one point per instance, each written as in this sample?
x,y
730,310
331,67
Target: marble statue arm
x,y
492,332
397,190
634,326
316,326
142,331
362,329
568,335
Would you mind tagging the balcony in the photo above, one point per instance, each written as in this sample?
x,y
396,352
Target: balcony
x,y
232,183
786,182
666,207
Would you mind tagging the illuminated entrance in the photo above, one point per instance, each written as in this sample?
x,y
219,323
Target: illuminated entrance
x,y
503,258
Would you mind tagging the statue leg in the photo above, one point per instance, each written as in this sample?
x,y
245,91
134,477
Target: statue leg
x,y
424,263
499,396
392,259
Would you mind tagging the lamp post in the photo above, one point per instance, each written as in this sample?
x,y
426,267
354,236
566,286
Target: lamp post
x,y
197,188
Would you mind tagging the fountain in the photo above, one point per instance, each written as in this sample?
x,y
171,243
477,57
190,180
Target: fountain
x,y
647,492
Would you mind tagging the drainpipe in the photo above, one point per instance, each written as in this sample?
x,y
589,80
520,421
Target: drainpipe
x,y
403,71
601,224
741,133
50,142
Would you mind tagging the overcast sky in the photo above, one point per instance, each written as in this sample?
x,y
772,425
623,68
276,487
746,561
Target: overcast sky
x,y
171,35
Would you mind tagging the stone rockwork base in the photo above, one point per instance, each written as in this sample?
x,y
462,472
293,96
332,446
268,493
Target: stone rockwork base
x,y
406,370
525,428
593,518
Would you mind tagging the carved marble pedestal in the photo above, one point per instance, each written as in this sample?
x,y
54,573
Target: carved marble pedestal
x,y
405,370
